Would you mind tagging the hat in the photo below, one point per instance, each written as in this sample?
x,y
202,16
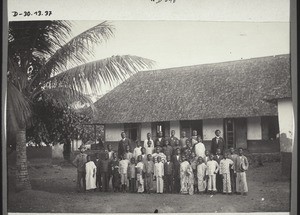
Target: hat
x,y
244,167
81,147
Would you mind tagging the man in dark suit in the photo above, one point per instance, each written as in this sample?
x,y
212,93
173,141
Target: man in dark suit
x,y
217,142
169,174
219,182
98,174
124,142
160,141
176,172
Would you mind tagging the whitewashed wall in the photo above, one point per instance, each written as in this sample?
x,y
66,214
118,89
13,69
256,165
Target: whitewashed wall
x,y
145,128
254,131
210,126
113,132
175,125
286,124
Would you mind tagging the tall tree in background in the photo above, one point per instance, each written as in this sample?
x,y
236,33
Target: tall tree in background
x,y
44,66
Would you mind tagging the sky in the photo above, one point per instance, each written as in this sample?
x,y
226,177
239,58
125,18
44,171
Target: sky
x,y
184,43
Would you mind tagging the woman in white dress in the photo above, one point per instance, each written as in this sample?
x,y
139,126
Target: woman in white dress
x,y
90,174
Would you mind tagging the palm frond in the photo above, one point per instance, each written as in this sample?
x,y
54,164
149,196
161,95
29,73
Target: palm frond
x,y
19,110
78,49
64,97
107,71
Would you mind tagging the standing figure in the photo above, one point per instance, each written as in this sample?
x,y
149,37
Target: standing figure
x,y
206,157
110,152
128,155
201,175
149,144
143,154
149,171
176,164
79,163
132,176
105,172
140,175
158,175
218,157
199,148
173,139
90,174
184,175
159,140
217,142
115,168
193,162
225,165
124,163
137,150
233,157
212,169
182,141
167,149
191,180
194,138
123,143
98,174
241,166
169,175
160,154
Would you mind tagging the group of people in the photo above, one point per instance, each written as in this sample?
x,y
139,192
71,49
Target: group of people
x,y
165,165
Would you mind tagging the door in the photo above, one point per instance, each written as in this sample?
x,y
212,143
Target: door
x,y
229,133
132,131
190,125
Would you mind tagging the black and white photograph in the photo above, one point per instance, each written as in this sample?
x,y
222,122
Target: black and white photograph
x,y
137,116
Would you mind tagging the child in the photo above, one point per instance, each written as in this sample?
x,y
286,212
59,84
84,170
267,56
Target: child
x,y
233,157
115,167
149,147
158,175
110,152
143,154
188,149
176,146
193,163
212,169
219,182
149,171
185,172
225,166
132,175
201,175
124,163
105,172
240,167
139,176
90,174
206,157
168,171
128,154
137,150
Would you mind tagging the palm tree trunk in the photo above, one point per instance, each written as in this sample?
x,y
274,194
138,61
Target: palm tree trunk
x,y
22,177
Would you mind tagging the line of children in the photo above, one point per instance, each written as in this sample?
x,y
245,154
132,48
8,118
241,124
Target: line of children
x,y
178,171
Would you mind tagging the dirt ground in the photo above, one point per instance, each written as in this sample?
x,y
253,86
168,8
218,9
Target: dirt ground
x,y
53,190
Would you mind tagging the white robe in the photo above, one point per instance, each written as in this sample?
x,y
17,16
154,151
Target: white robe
x,y
90,181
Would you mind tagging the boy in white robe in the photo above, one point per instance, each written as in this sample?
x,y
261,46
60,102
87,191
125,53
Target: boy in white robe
x,y
90,174
137,150
225,165
140,178
158,175
201,175
212,170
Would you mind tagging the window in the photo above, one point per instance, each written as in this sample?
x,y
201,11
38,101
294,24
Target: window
x,y
270,127
164,127
132,131
190,125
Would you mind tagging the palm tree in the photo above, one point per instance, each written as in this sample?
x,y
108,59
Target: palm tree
x,y
43,65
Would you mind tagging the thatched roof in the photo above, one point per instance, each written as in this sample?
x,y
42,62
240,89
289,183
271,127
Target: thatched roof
x,y
230,89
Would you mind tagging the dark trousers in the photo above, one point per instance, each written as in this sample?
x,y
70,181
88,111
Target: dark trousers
x,y
233,181
176,184
168,183
132,185
98,181
80,178
106,178
219,183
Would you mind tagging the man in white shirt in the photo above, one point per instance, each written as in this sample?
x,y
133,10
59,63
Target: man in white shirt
x,y
199,148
